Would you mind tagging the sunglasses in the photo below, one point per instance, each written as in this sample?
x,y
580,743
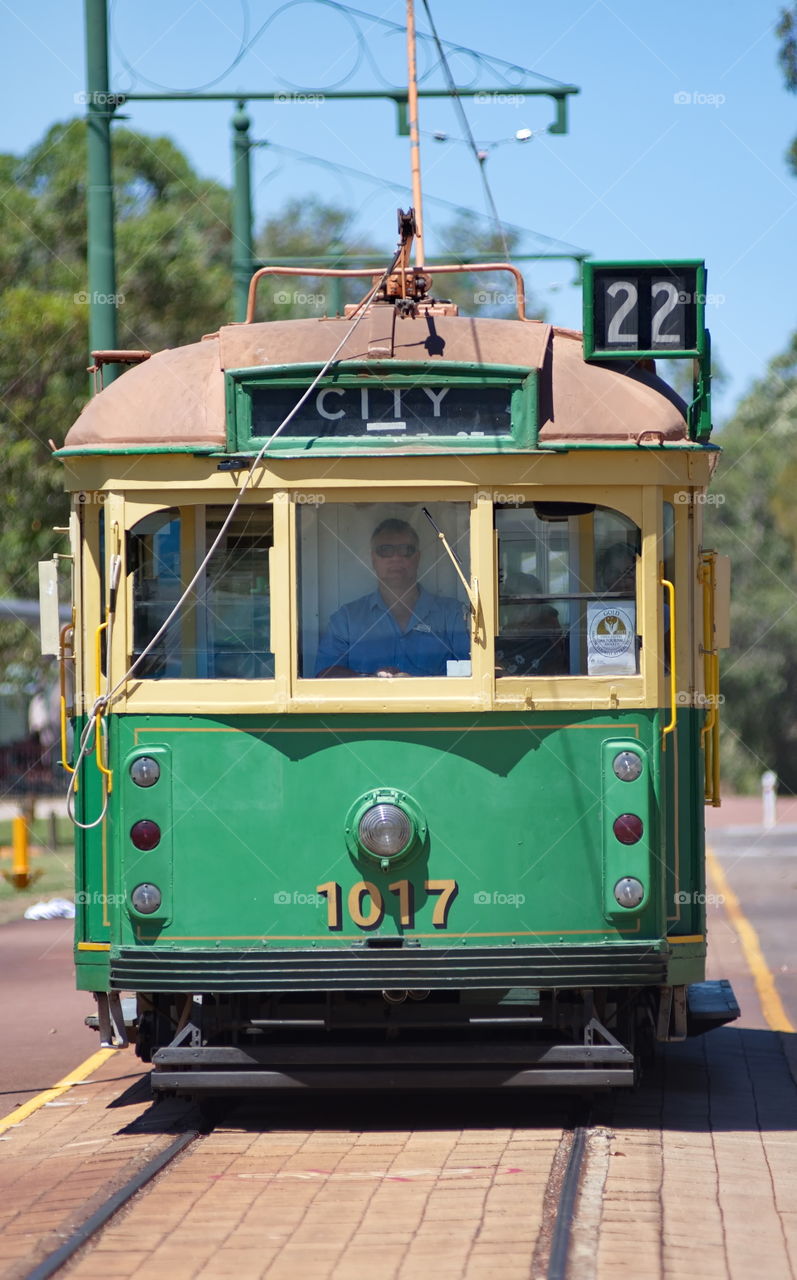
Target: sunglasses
x,y
387,549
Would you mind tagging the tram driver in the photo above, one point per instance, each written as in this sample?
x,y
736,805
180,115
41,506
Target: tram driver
x,y
399,628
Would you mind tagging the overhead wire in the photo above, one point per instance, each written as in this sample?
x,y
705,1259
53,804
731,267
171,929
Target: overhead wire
x,y
458,106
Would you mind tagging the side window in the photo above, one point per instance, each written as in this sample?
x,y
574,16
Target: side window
x,y
567,591
223,629
153,559
237,614
378,594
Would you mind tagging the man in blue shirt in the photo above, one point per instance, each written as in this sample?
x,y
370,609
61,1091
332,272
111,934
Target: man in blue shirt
x,y
399,629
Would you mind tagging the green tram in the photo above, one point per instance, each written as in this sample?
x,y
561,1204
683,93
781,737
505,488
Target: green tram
x,y
404,782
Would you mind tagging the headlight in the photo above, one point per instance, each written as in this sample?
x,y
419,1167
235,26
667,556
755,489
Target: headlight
x,y
629,891
627,766
145,771
146,898
385,830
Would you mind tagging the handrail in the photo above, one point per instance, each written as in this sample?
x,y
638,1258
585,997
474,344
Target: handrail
x,y
669,728
98,715
709,734
63,646
368,272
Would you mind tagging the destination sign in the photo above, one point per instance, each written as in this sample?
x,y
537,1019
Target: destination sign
x,y
379,412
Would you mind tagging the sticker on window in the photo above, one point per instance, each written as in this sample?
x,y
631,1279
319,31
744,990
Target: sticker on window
x,y
611,638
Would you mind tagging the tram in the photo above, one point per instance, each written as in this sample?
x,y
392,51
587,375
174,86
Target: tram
x,y
393,677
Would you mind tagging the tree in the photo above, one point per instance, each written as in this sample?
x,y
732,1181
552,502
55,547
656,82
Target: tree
x,y
786,30
753,521
174,284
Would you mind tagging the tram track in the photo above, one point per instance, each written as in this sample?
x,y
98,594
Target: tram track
x,y
93,1225
549,1255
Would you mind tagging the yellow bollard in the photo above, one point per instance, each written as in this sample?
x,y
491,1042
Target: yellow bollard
x,y
20,874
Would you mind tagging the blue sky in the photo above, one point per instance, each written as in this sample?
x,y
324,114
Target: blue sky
x,y
676,143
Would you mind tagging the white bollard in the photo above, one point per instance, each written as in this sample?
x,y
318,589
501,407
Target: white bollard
x,y
769,782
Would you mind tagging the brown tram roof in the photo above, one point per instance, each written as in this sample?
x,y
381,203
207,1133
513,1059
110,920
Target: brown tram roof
x,y
177,397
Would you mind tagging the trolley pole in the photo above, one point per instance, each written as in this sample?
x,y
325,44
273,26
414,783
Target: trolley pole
x,y
101,251
242,250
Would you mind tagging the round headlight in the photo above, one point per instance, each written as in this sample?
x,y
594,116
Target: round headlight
x,y
385,830
628,828
629,891
146,898
145,771
627,766
145,834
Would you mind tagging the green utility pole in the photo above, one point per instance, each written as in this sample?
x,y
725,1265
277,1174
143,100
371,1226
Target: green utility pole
x,y
101,250
242,249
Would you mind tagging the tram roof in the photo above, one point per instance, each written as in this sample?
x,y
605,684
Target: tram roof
x,y
177,397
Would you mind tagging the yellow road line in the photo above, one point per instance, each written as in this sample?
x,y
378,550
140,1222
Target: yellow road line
x,y
75,1077
771,1003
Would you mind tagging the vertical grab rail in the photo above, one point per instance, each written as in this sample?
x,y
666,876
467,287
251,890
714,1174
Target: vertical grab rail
x,y
670,727
101,765
709,734
67,641
706,734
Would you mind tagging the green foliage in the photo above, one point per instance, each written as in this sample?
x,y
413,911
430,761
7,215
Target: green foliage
x,y
304,230
756,526
786,31
485,295
173,282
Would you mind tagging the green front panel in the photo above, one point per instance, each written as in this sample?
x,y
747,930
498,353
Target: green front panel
x,y
515,825
513,850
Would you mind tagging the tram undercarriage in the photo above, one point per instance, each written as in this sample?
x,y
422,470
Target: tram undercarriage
x,y
423,1039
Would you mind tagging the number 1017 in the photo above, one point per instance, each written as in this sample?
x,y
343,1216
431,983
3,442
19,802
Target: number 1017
x,y
366,904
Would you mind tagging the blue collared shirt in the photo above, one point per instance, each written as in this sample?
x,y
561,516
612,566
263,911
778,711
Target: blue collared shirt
x,y
364,636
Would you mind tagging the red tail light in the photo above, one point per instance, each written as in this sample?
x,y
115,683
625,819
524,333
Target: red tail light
x,y
628,828
145,834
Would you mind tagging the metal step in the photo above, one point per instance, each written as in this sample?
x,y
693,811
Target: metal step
x,y
709,1005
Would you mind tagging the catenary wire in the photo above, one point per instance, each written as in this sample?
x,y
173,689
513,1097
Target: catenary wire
x,y
452,88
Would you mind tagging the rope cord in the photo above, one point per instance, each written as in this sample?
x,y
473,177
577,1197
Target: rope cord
x,y
101,704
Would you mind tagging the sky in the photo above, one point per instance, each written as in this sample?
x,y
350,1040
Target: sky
x,y
676,144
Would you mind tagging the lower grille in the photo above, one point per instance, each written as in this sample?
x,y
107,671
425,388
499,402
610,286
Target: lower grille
x,y
435,969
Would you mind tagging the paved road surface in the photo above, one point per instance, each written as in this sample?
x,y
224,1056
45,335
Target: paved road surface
x,y
41,1014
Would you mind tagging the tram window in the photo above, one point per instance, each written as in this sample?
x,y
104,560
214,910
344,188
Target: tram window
x,y
379,594
567,591
223,630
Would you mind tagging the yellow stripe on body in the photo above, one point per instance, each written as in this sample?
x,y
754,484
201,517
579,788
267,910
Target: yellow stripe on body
x,y
48,1095
771,1003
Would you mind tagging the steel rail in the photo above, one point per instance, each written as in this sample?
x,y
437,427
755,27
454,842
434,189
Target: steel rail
x,y
566,1208
82,1234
